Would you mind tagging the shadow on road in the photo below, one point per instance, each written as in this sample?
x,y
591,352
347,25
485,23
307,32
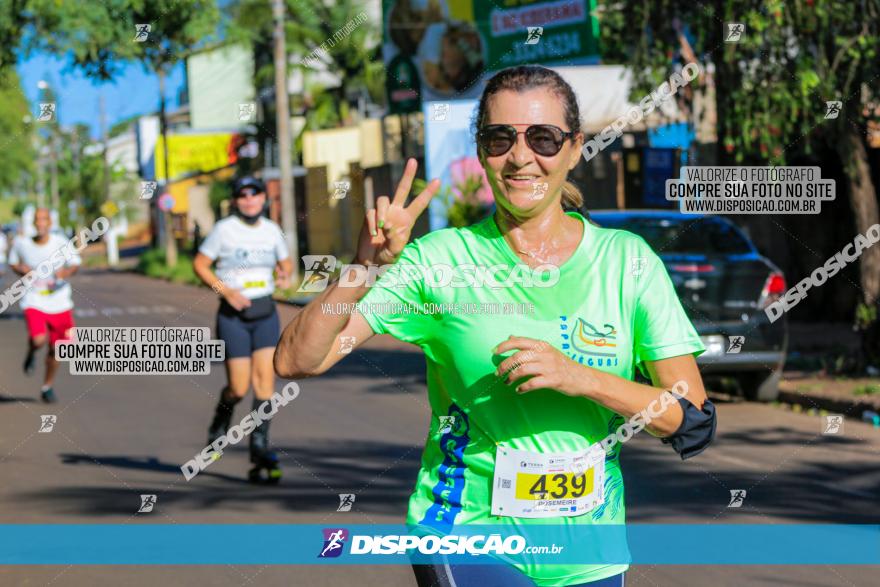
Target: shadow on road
x,y
381,475
4,399
797,490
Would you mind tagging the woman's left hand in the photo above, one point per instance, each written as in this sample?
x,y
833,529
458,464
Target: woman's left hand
x,y
548,367
282,279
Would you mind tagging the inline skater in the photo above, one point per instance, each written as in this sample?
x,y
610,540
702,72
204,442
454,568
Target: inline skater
x,y
249,251
528,391
47,304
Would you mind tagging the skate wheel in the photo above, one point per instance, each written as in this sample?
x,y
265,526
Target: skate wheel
x,y
264,475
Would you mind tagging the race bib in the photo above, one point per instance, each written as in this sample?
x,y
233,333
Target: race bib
x,y
46,287
254,278
547,485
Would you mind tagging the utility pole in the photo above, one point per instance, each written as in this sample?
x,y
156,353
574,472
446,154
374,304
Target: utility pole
x,y
282,121
54,128
110,238
41,177
53,168
77,165
168,233
48,150
103,116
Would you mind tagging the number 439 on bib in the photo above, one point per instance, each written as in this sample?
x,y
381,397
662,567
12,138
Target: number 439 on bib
x,y
547,485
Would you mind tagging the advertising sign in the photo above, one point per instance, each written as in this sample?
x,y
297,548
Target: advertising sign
x,y
193,153
441,49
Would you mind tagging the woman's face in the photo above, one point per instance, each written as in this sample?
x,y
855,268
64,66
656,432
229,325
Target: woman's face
x,y
518,177
250,202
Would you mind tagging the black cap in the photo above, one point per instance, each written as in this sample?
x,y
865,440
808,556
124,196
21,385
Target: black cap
x,y
248,181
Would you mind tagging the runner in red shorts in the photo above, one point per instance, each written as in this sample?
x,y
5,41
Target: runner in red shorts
x,y
47,305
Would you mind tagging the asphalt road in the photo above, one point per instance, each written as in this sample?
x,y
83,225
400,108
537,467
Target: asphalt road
x,y
360,429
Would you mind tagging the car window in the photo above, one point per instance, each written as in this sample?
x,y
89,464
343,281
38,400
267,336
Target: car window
x,y
706,236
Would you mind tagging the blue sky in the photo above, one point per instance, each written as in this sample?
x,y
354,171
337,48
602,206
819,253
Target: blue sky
x,y
134,92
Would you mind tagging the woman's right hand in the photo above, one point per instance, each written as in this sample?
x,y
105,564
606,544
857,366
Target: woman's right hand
x,y
387,227
236,299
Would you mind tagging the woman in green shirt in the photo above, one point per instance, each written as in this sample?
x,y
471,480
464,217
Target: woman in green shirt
x,y
521,399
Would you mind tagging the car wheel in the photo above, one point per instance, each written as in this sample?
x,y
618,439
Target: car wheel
x,y
760,386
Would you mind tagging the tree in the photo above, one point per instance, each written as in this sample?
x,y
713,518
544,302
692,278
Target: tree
x,y
16,123
354,58
101,39
772,87
14,18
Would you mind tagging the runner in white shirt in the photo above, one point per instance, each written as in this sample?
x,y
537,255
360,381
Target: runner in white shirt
x,y
47,304
4,245
249,251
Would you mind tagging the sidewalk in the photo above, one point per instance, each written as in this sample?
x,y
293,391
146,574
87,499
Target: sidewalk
x,y
832,395
814,389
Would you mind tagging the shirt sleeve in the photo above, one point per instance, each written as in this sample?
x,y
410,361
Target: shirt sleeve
x,y
395,304
14,258
72,259
281,252
210,247
662,329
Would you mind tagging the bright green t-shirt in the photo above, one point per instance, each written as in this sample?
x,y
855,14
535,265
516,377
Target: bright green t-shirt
x,y
612,308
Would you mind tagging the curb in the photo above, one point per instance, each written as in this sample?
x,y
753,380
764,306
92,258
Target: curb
x,y
851,408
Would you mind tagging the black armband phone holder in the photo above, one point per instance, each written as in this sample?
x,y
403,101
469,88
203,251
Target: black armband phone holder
x,y
697,428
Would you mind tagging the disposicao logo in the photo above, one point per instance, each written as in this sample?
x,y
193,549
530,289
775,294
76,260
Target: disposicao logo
x,y
334,541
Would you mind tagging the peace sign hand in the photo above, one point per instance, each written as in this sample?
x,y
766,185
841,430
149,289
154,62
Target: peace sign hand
x,y
387,227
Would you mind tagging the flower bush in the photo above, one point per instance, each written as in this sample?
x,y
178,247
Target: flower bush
x,y
470,198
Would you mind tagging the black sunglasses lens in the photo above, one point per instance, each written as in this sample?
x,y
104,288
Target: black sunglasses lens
x,y
544,139
497,140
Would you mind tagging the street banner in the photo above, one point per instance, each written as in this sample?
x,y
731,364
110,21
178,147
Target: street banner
x,y
196,153
442,49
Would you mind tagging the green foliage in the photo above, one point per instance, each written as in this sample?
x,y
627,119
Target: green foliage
x,y
17,162
217,194
462,214
152,264
324,112
20,205
355,59
771,86
866,315
122,126
839,363
868,389
10,209
13,20
100,40
463,208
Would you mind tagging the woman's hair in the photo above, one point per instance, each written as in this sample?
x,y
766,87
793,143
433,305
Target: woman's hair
x,y
528,77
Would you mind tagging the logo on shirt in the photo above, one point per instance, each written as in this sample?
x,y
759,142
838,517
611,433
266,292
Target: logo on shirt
x,y
586,343
253,256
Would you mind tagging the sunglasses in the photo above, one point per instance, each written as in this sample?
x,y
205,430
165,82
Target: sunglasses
x,y
544,139
247,192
